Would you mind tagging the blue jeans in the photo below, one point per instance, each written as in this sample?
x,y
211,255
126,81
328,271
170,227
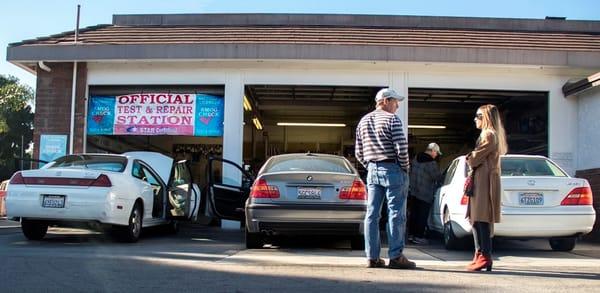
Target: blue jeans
x,y
386,180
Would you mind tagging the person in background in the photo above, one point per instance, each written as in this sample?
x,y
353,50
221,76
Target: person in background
x,y
483,209
382,147
425,177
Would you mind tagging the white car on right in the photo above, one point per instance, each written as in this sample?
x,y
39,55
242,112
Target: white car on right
x,y
539,200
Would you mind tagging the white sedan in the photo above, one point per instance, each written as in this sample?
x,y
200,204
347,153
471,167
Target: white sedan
x,y
125,192
539,200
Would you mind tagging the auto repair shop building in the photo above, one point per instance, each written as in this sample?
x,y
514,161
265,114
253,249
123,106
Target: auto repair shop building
x,y
265,84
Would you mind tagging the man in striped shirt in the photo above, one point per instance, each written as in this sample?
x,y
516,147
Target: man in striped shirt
x,y
382,148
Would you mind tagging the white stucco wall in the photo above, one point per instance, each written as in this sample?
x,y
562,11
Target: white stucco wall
x,y
563,112
588,140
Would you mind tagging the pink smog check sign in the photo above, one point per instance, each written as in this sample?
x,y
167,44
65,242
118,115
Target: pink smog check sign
x,y
156,114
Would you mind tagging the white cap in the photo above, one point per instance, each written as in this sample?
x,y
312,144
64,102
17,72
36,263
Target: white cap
x,y
434,147
388,93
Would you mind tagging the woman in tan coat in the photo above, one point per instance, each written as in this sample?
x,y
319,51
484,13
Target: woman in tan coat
x,y
484,206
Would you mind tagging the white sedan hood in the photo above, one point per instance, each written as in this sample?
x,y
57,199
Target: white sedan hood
x,y
160,163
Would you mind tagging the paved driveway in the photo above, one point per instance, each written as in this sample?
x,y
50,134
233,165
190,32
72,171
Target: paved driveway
x,y
214,260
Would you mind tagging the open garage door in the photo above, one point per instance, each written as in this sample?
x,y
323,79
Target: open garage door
x,y
303,118
446,116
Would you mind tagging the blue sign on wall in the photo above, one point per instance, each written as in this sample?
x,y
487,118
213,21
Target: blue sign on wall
x,y
209,116
52,147
101,115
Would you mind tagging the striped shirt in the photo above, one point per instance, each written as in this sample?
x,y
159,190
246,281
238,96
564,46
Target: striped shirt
x,y
379,136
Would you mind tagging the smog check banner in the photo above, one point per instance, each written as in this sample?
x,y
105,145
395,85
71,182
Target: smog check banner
x,y
156,114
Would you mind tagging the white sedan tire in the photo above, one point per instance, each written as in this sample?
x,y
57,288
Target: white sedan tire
x,y
562,244
34,230
131,233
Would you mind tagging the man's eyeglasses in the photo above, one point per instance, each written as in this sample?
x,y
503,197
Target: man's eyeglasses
x,y
479,116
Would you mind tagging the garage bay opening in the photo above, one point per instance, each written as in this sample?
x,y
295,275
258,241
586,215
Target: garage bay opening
x,y
282,119
445,116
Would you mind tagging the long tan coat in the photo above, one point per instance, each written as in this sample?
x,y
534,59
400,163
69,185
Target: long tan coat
x,y
484,206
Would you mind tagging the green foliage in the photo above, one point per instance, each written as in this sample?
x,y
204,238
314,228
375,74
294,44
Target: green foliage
x,y
16,121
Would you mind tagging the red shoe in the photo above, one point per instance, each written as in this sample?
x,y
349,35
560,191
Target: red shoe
x,y
483,261
475,257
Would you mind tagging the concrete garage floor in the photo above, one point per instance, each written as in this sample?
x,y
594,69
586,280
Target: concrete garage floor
x,y
213,260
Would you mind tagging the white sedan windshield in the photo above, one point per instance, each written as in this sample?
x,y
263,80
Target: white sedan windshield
x,y
530,167
94,162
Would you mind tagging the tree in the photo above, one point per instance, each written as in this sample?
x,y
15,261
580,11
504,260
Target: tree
x,y
16,122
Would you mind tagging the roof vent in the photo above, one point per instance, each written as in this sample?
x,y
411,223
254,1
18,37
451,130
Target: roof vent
x,y
556,18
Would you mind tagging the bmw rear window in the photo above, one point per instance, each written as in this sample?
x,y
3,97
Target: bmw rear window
x,y
530,167
308,163
93,162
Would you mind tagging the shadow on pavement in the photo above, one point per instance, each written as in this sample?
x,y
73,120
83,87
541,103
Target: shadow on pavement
x,y
526,273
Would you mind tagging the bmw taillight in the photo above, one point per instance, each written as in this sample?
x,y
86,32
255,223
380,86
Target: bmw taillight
x,y
578,197
17,178
357,191
261,189
102,181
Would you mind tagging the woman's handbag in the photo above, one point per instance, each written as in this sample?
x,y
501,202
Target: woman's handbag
x,y
469,184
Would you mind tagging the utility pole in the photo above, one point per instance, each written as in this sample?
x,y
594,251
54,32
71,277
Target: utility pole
x,y
22,151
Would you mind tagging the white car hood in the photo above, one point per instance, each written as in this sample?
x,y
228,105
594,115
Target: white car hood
x,y
160,163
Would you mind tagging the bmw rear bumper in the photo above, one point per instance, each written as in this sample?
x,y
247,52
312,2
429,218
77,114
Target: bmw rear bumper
x,y
306,219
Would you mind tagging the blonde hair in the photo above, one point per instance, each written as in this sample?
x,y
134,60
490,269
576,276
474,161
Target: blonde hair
x,y
491,121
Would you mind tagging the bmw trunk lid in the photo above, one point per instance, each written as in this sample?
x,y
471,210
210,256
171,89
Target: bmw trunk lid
x,y
309,187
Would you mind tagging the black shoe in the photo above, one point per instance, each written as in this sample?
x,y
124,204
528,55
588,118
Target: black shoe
x,y
376,263
401,262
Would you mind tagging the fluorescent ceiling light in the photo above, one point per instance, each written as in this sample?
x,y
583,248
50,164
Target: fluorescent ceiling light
x,y
311,124
257,123
247,105
428,126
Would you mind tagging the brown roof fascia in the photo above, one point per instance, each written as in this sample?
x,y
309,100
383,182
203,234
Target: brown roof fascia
x,y
357,20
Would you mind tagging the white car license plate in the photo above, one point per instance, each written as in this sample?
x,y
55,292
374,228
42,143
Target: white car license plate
x,y
53,201
531,199
309,193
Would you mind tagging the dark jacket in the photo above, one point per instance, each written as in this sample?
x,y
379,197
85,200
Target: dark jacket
x,y
425,177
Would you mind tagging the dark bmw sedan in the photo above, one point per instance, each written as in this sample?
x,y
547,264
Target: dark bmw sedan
x,y
306,194
293,194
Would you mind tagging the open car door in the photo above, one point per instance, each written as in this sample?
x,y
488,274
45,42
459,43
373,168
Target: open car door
x,y
183,195
227,198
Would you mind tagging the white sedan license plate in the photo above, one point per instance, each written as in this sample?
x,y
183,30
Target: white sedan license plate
x,y
53,201
531,199
309,193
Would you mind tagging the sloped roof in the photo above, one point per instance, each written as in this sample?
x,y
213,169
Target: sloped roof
x,y
127,35
343,37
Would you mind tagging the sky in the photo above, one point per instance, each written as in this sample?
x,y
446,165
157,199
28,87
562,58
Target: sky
x,y
27,19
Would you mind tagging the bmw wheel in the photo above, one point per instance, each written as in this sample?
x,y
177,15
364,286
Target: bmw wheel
x,y
357,242
253,240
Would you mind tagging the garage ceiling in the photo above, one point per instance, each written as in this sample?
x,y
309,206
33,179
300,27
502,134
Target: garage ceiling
x,y
322,104
346,104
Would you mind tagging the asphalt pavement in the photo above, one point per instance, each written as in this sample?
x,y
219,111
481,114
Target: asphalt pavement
x,y
209,259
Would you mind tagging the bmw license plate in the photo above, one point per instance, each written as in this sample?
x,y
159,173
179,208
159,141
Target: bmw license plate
x,y
531,199
309,193
53,201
